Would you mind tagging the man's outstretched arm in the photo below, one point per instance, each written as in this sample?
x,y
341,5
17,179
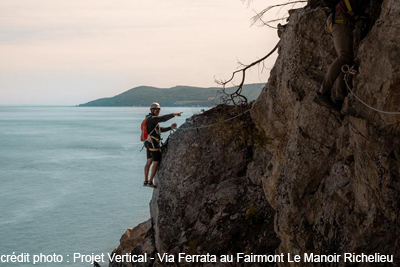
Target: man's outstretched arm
x,y
158,119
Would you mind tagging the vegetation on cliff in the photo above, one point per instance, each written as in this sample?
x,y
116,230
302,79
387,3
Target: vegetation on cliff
x,y
178,96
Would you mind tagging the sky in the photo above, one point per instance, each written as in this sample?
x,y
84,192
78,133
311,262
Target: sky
x,y
68,52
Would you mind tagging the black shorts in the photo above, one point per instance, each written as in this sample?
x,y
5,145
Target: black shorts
x,y
155,155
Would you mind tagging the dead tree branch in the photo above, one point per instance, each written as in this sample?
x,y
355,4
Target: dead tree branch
x,y
236,97
267,23
259,15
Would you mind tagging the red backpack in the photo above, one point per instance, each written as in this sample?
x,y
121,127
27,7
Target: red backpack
x,y
144,135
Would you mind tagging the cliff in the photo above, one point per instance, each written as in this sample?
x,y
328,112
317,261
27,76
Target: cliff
x,y
289,175
333,180
209,197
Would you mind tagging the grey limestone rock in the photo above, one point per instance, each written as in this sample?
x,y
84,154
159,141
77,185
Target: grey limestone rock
x,y
331,181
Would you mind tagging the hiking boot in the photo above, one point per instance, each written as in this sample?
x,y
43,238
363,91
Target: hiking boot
x,y
326,101
150,184
350,111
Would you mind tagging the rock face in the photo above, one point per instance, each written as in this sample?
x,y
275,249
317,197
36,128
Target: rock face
x,y
209,197
332,181
137,241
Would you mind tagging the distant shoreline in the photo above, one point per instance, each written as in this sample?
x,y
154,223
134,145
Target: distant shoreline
x,y
78,106
178,96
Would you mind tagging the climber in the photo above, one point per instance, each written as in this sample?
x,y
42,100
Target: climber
x,y
151,135
340,25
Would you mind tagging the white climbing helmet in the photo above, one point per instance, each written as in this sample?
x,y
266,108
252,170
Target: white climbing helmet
x,y
155,105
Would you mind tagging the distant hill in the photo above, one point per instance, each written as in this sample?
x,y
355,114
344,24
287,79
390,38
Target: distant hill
x,y
177,96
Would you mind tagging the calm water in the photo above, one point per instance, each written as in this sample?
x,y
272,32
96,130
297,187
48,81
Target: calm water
x,y
71,179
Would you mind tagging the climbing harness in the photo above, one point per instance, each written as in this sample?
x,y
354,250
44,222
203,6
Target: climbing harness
x,y
347,70
350,11
338,21
150,141
147,137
